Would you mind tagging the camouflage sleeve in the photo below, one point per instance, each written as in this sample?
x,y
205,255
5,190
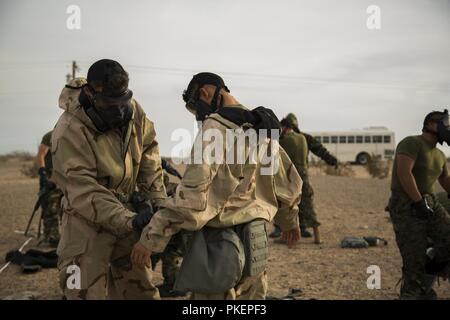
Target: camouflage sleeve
x,y
288,190
150,178
319,150
189,208
75,173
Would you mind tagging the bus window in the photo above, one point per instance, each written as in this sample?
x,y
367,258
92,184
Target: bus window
x,y
367,139
326,139
334,139
377,139
318,138
387,139
359,139
351,139
342,139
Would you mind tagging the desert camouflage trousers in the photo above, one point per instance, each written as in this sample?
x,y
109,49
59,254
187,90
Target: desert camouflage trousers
x,y
103,262
307,213
249,288
412,235
51,213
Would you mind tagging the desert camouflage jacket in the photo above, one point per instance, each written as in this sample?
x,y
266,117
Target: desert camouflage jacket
x,y
92,167
222,195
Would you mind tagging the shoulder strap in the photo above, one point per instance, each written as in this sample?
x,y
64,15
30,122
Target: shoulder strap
x,y
227,123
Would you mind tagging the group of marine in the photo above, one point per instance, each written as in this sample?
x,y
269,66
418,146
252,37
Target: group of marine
x,y
110,208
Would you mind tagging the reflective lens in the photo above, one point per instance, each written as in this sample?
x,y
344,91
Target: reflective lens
x,y
104,102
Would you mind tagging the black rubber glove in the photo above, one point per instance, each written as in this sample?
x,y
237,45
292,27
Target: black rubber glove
x,y
422,209
144,210
142,218
331,161
336,165
43,179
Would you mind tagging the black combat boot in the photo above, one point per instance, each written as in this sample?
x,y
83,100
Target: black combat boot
x,y
166,291
276,232
304,232
420,288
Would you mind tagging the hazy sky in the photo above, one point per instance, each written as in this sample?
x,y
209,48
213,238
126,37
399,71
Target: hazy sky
x,y
314,58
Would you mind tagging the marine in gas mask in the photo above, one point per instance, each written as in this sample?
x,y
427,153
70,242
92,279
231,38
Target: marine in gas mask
x,y
417,214
106,161
225,203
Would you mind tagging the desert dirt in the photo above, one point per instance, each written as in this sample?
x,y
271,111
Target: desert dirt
x,y
346,206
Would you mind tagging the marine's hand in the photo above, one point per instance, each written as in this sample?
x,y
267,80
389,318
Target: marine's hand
x,y
142,218
43,179
140,256
291,237
333,162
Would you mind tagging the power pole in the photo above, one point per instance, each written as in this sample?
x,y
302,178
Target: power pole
x,y
72,75
74,68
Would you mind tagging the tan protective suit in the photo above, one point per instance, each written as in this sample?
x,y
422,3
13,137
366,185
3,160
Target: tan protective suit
x,y
90,167
223,195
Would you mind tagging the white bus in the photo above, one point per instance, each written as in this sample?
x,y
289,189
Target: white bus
x,y
359,145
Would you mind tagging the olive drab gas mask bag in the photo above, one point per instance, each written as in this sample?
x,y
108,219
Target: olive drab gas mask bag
x,y
213,264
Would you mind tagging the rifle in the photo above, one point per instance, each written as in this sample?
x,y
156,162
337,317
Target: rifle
x,y
41,195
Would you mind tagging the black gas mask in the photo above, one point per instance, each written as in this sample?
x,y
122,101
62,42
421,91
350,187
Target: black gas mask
x,y
443,127
191,95
107,112
110,107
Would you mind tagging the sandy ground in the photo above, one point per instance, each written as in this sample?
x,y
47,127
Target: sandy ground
x,y
345,205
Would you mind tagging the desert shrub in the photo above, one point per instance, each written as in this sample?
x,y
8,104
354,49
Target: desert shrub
x,y
17,155
378,168
344,170
30,169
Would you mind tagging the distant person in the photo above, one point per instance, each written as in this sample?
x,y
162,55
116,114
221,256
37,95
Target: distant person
x,y
51,194
415,211
297,144
106,161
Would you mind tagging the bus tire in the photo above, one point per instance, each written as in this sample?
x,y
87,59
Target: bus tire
x,y
362,158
